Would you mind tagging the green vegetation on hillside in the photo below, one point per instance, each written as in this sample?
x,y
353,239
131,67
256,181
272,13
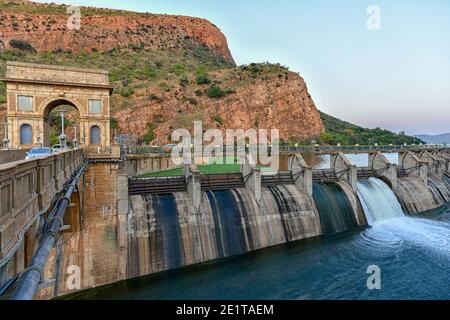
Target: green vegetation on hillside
x,y
131,68
51,8
345,133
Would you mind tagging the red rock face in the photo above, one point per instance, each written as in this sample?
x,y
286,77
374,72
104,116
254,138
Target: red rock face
x,y
104,32
269,103
282,104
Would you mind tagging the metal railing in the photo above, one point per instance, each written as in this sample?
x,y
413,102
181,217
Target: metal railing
x,y
296,149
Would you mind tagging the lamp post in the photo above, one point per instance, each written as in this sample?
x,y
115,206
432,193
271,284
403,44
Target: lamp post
x,y
62,137
5,139
75,140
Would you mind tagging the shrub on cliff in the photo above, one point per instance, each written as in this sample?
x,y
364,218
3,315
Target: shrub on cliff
x,y
203,79
21,45
218,120
126,92
216,92
149,136
184,81
2,92
114,124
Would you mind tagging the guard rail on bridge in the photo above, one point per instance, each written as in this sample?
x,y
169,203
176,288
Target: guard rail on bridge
x,y
27,189
299,149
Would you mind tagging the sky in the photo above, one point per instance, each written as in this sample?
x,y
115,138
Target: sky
x,y
396,76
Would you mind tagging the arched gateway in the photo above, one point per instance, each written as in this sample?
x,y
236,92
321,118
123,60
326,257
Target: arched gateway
x,y
33,90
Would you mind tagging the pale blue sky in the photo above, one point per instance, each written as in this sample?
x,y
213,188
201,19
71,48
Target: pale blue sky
x,y
397,77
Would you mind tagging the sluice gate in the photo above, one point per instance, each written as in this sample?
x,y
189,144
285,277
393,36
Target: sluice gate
x,y
157,185
281,177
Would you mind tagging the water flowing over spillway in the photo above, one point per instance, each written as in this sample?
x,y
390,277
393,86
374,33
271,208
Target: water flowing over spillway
x,y
166,232
413,254
378,201
336,213
168,235
228,227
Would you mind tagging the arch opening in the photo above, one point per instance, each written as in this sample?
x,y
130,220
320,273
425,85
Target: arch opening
x,y
53,124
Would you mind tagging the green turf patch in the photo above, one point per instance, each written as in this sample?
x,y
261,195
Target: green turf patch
x,y
204,169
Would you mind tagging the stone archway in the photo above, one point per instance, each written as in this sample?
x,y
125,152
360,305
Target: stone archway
x,y
46,111
33,90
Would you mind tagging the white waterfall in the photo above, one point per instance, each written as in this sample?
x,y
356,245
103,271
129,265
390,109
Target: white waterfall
x,y
378,201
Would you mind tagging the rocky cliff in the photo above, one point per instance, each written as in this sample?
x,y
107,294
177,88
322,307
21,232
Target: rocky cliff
x,y
270,102
167,70
103,29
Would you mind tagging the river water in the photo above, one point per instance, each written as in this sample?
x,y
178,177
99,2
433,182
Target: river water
x,y
413,255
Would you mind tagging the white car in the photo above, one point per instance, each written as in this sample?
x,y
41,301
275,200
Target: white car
x,y
39,152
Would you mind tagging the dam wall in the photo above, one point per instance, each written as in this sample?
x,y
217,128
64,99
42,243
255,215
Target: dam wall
x,y
95,251
166,232
416,196
137,164
124,234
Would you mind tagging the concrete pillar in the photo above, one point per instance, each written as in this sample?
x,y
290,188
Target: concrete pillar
x,y
194,188
414,166
122,215
383,168
436,165
344,170
252,176
301,172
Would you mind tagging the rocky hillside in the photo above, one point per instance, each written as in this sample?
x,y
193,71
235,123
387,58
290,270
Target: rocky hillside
x,y
43,27
255,96
167,70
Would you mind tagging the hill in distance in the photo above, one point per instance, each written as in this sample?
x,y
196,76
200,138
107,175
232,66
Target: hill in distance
x,y
435,139
345,133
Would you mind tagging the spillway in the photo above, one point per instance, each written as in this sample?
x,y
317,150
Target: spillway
x,y
415,196
228,227
447,181
166,232
168,235
335,210
413,254
378,201
440,190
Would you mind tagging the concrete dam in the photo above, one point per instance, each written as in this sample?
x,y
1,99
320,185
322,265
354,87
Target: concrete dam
x,y
125,227
169,231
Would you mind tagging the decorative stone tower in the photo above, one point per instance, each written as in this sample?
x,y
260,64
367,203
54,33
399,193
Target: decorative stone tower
x,y
33,90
